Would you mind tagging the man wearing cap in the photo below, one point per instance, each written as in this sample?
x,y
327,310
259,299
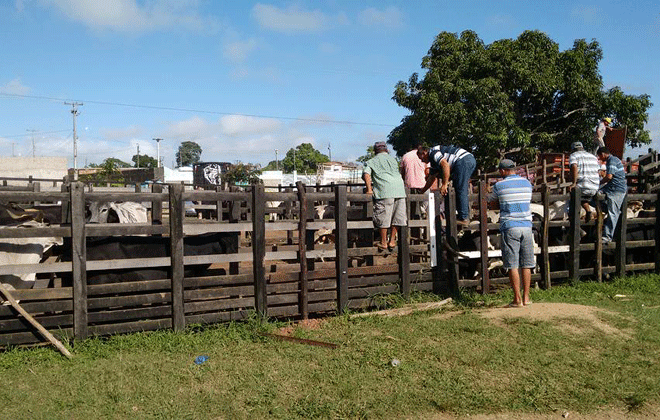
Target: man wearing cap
x,y
451,161
584,171
601,129
383,179
513,194
615,187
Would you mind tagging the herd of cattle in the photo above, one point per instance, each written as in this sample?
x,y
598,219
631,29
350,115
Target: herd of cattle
x,y
36,250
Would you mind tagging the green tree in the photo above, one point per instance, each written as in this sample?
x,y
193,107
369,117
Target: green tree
x,y
306,160
514,94
370,153
188,154
145,161
242,173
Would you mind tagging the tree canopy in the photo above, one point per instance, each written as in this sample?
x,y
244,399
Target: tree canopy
x,y
188,154
242,173
514,94
145,161
307,159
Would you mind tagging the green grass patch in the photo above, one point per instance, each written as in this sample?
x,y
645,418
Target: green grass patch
x,y
451,360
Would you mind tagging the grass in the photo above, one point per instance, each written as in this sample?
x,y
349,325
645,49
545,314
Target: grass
x,y
463,364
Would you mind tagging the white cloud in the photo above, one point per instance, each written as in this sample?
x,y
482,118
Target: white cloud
x,y
290,20
240,125
129,16
389,18
122,133
587,14
15,87
238,51
501,21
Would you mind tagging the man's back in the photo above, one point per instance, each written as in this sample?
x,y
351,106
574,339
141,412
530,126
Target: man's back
x,y
515,195
385,176
413,170
618,183
587,166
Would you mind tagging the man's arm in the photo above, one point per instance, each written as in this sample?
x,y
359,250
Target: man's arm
x,y
445,176
574,176
429,182
367,180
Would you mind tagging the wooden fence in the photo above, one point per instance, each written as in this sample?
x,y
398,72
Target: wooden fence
x,y
279,270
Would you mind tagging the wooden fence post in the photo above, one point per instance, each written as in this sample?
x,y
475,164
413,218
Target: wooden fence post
x,y
657,232
451,232
574,235
441,263
66,205
620,237
302,249
234,217
157,206
404,251
259,249
483,233
341,247
598,249
176,254
79,261
545,232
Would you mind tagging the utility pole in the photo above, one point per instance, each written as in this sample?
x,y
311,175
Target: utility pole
x,y
33,148
277,162
74,112
158,151
138,156
329,153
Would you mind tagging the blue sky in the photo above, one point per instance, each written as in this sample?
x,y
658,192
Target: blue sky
x,y
243,79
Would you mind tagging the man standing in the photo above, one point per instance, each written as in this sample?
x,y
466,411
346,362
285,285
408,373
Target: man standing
x,y
514,194
383,180
413,171
584,171
451,161
601,129
615,187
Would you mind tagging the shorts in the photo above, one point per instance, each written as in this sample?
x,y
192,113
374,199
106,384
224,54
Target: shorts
x,y
518,248
390,211
587,195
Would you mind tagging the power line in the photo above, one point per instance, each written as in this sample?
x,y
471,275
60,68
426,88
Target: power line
x,y
35,133
200,111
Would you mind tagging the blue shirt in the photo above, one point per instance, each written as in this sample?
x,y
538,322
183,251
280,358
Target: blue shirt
x,y
514,194
618,182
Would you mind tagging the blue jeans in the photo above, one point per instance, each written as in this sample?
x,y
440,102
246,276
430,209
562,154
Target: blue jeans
x,y
461,173
613,202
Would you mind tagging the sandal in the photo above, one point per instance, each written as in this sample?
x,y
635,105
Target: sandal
x,y
381,247
391,247
515,305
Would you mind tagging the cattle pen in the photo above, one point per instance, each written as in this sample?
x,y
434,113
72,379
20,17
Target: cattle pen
x,y
279,268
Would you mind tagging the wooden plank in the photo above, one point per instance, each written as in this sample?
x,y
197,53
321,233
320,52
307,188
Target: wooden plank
x,y
341,247
10,269
620,237
176,217
157,205
574,235
545,232
451,232
44,332
34,232
127,196
657,232
116,229
441,267
404,252
302,249
598,245
131,327
483,234
259,249
79,261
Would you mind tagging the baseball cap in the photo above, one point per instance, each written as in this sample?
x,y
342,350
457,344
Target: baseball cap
x,y
380,145
506,164
577,145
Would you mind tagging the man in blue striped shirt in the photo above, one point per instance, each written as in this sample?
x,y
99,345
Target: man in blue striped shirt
x,y
514,194
615,187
